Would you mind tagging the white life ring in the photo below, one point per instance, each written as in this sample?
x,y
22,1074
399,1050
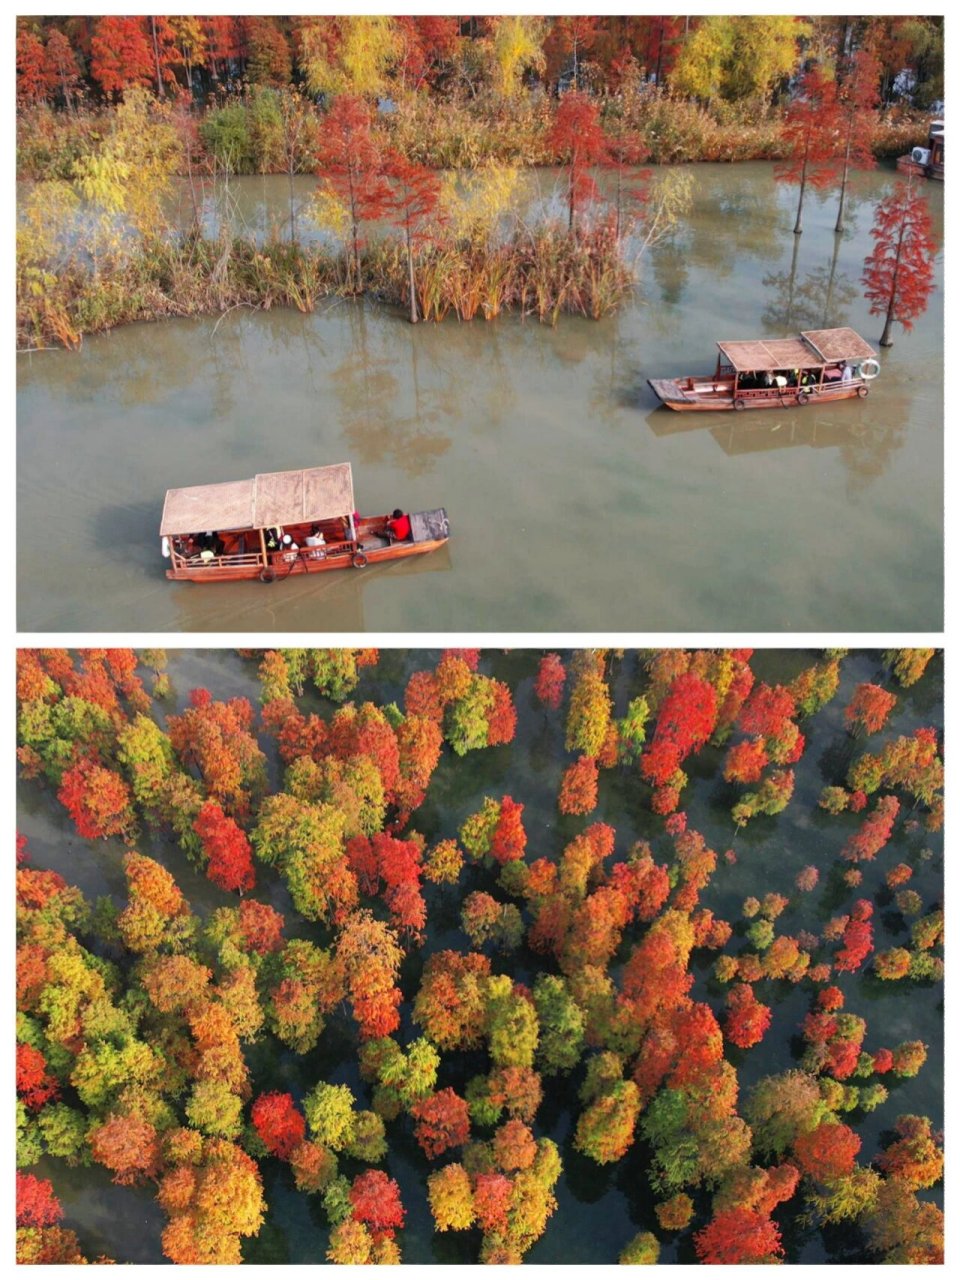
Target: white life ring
x,y
875,364
165,548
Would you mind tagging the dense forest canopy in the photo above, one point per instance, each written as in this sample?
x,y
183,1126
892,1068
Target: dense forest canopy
x,y
735,58
431,944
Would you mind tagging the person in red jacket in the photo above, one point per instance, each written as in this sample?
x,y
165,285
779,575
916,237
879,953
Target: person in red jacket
x,y
398,526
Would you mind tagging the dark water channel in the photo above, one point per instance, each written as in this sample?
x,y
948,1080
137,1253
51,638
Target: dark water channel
x,y
600,1207
575,503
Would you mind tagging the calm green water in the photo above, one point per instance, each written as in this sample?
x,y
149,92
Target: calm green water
x,y
575,503
600,1208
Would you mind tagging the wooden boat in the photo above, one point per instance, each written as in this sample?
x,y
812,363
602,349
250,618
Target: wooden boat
x,y
777,373
282,523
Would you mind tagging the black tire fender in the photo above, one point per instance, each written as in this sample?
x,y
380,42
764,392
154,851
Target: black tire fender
x,y
268,575
359,560
863,392
739,403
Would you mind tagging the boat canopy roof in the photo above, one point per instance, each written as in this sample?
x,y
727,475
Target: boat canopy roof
x,y
812,348
275,498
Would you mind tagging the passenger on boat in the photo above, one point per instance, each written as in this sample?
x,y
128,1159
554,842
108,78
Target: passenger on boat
x,y
398,526
272,537
210,541
847,375
317,543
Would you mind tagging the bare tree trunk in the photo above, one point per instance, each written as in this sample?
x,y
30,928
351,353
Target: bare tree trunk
x,y
846,170
156,56
413,284
885,338
293,222
798,225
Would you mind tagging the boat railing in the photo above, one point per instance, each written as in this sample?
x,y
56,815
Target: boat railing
x,y
329,551
217,562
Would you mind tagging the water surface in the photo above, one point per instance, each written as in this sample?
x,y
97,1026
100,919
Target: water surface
x,y
574,502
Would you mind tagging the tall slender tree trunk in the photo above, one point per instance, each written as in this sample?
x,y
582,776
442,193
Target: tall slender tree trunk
x,y
843,182
885,339
798,225
156,56
293,220
413,284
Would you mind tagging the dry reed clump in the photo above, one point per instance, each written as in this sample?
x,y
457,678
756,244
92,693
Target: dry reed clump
x,y
899,131
543,272
676,129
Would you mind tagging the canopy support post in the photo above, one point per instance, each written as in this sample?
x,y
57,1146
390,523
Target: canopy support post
x,y
263,549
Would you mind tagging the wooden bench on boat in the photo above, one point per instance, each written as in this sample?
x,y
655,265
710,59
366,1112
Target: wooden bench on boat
x,y
771,373
280,523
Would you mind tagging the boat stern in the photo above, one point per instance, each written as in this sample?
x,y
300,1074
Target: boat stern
x,y
429,526
669,392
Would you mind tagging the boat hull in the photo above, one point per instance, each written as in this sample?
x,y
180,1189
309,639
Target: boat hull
x,y
281,566
703,395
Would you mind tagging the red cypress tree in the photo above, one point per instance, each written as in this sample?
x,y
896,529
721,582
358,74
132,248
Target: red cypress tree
x,y
746,1019
413,203
37,1206
509,837
129,1146
746,761
827,1152
579,787
376,1203
810,134
858,96
898,275
550,680
687,717
280,1125
261,926
869,708
502,718
121,54
442,1121
874,832
31,68
350,160
227,849
577,138
738,1236
766,711
34,1085
97,799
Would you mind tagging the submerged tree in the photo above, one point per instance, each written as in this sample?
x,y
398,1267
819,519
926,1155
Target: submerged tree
x,y
898,275
810,133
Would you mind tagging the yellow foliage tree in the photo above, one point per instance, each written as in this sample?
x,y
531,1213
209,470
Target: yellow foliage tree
x,y
516,46
473,203
738,57
355,56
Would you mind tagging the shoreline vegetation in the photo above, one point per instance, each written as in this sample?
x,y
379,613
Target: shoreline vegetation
x,y
419,131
